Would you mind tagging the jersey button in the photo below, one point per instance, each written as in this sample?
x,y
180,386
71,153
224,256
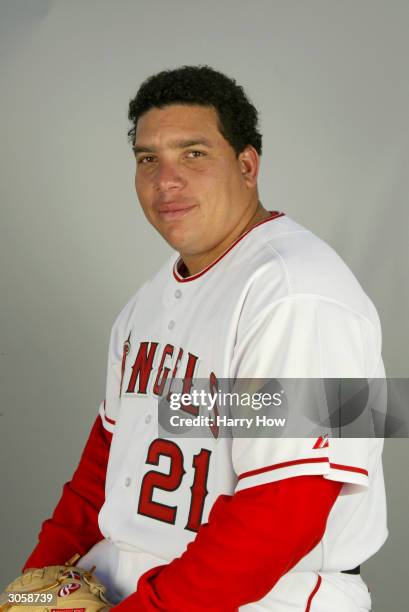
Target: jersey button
x,y
148,419
178,293
127,481
171,324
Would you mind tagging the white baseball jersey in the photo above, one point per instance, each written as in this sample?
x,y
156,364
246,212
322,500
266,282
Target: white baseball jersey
x,y
279,303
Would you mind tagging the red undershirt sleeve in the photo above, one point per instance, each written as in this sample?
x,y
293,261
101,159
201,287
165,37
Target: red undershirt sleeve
x,y
251,539
73,527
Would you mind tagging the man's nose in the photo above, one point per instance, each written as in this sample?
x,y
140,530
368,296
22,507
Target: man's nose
x,y
168,176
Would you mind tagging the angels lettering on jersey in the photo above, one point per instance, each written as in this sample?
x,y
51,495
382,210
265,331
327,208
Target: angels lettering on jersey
x,y
155,369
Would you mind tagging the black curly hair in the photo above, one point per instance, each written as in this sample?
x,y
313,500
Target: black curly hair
x,y
204,86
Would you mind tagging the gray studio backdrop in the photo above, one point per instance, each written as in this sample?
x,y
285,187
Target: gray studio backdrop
x,y
330,80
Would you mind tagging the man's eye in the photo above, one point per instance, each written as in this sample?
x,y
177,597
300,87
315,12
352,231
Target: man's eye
x,y
196,154
147,159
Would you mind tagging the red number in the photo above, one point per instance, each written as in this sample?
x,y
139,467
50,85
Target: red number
x,y
172,481
199,490
157,480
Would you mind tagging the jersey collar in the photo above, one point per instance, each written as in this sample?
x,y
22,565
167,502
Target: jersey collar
x,y
274,214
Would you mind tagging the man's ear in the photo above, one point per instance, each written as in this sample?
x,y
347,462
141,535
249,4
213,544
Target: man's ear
x,y
249,161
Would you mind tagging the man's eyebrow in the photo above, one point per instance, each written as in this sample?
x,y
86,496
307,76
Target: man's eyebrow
x,y
175,144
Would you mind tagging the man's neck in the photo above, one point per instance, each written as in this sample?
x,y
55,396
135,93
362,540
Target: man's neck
x,y
197,263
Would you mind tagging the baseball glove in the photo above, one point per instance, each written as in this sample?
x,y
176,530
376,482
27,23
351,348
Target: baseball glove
x,y
57,588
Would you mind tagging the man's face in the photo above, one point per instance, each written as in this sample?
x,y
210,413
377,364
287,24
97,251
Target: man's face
x,y
191,186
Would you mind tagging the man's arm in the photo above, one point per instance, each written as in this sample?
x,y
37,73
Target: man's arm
x,y
251,539
73,527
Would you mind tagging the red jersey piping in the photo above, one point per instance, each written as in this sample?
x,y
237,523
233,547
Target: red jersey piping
x,y
284,464
274,215
108,420
349,468
313,593
277,466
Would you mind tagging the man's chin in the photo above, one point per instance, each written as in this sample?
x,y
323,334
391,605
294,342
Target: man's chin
x,y
180,239
184,247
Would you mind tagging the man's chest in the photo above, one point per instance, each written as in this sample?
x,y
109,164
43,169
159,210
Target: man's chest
x,y
177,334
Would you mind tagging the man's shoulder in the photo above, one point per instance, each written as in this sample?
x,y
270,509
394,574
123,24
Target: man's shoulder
x,y
148,287
305,257
310,264
306,265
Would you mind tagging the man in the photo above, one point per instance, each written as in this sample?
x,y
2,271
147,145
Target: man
x,y
193,524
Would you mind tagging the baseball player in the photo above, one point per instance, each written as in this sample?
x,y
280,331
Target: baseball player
x,y
216,523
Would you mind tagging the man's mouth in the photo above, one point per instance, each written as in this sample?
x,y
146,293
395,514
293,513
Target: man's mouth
x,y
174,210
